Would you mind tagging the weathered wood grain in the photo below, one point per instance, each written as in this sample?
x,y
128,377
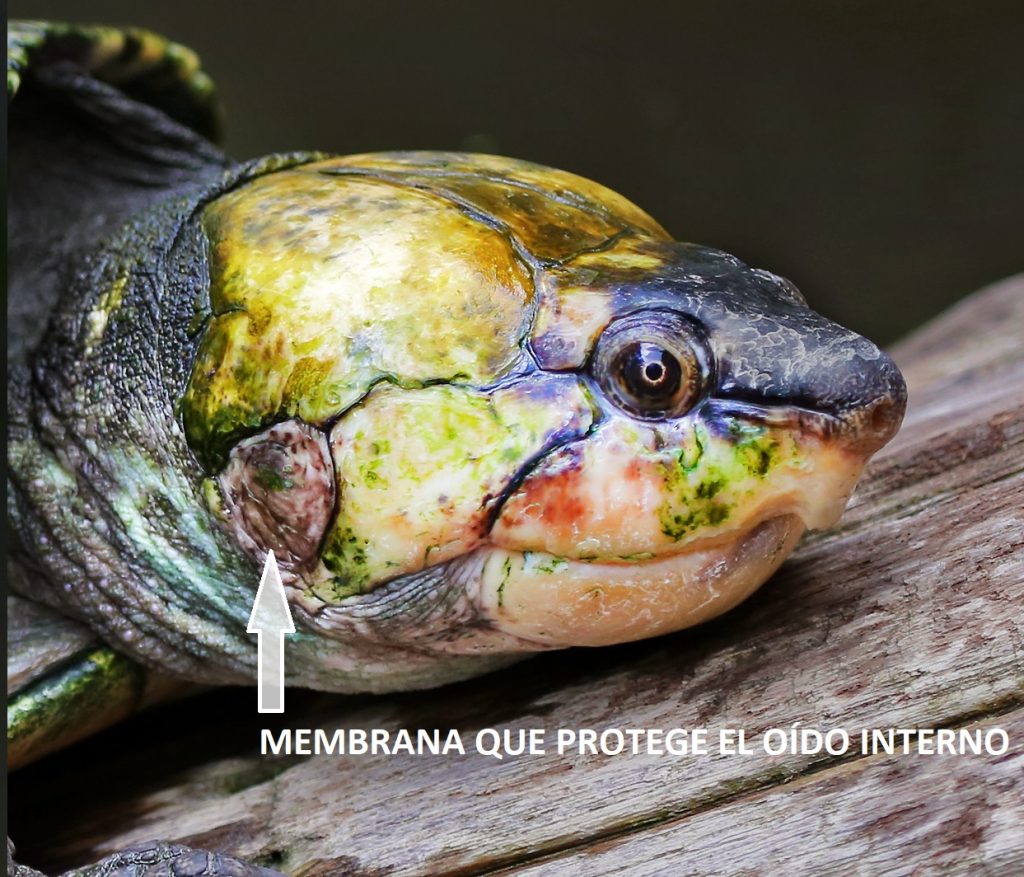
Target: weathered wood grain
x,y
899,815
909,614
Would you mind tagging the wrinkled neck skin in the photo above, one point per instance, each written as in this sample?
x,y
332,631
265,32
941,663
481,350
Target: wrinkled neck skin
x,y
110,504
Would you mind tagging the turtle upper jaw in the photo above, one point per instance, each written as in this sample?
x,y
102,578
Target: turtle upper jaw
x,y
861,428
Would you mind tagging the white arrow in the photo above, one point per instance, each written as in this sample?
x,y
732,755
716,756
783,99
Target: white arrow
x,y
271,619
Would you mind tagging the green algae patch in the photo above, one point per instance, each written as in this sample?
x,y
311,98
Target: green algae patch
x,y
271,479
707,488
345,555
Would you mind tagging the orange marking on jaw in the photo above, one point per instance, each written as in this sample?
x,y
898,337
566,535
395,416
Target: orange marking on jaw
x,y
594,499
634,471
551,497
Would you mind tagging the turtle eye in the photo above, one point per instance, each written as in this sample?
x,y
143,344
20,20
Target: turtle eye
x,y
652,364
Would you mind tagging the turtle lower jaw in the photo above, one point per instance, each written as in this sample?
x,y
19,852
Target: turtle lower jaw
x,y
553,602
545,601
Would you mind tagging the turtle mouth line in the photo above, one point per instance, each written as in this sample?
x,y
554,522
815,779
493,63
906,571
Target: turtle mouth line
x,y
812,421
735,538
864,429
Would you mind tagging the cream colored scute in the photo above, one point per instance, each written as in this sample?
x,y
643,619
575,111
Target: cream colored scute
x,y
419,470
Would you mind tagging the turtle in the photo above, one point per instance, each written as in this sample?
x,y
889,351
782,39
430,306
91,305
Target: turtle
x,y
476,407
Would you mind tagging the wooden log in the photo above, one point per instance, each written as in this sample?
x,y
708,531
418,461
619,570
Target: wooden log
x,y
893,815
907,615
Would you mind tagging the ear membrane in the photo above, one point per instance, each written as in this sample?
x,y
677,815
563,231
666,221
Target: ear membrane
x,y
279,492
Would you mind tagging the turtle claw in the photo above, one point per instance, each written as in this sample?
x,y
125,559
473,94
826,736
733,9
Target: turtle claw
x,y
154,860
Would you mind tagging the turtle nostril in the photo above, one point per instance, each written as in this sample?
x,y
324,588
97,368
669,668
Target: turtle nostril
x,y
877,424
884,419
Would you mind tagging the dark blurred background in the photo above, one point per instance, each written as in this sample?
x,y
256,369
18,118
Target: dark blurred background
x,y
871,151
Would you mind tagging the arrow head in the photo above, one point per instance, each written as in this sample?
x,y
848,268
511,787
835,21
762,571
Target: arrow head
x,y
270,610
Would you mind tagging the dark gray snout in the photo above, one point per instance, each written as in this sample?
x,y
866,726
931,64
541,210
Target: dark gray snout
x,y
797,358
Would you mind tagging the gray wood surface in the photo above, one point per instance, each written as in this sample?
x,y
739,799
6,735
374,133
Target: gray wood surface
x,y
887,815
910,613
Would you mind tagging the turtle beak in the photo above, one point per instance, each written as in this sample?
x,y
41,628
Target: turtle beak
x,y
800,365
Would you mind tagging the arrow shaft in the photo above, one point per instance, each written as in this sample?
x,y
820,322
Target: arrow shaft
x,y
271,672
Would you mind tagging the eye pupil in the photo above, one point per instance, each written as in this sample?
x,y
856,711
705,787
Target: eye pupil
x,y
649,373
654,371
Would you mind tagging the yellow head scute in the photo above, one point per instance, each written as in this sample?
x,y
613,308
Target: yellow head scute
x,y
552,214
322,284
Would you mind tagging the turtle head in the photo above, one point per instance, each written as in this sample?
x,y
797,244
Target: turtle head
x,y
476,408
455,450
